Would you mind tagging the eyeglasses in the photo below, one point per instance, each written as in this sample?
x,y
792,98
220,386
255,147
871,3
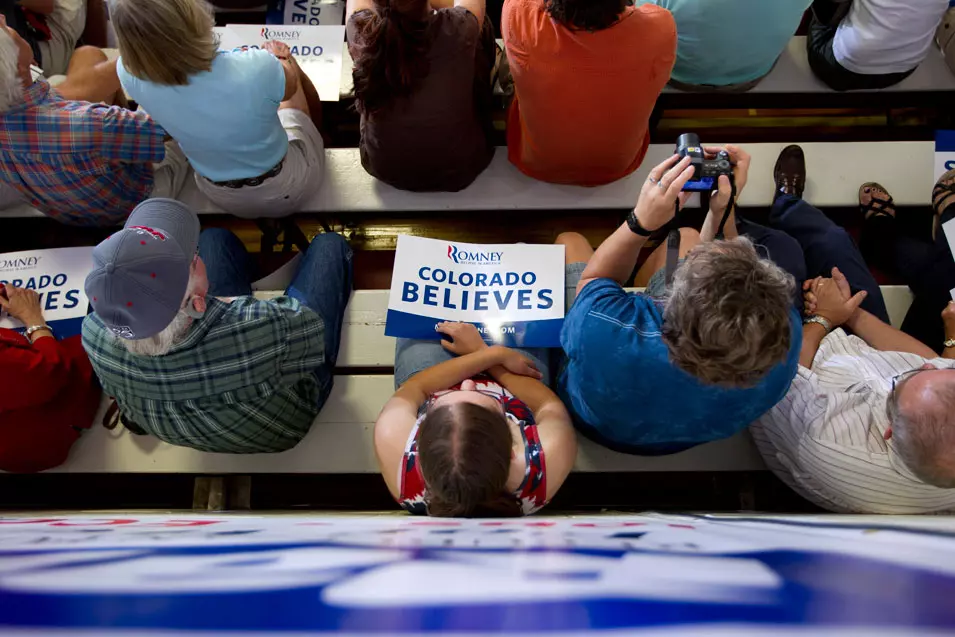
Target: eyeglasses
x,y
898,378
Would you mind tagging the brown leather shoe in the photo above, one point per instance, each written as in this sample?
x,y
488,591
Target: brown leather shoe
x,y
790,172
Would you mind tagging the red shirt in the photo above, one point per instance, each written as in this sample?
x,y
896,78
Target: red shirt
x,y
47,392
583,99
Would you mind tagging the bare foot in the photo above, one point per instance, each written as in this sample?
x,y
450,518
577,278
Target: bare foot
x,y
876,200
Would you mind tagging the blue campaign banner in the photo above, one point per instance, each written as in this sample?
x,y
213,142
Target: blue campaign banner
x,y
57,276
306,12
944,152
513,294
647,575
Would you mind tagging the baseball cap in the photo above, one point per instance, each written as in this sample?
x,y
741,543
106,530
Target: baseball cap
x,y
141,273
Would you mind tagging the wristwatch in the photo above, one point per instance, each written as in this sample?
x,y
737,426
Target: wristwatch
x,y
36,328
949,343
636,227
819,320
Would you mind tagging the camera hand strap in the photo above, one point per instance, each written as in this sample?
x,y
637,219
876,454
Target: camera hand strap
x,y
673,237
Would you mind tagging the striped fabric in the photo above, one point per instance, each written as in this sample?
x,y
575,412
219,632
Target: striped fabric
x,y
242,381
80,163
825,438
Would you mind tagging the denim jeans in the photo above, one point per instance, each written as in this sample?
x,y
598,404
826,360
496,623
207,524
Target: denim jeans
x,y
323,281
825,246
926,266
826,67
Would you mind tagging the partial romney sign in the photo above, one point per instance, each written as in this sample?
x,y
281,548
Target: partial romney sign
x,y
317,49
514,294
57,276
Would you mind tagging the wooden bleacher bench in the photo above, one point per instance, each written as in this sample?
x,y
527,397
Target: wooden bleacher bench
x,y
836,170
341,439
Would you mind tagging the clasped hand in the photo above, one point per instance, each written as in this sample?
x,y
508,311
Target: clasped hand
x,y
831,298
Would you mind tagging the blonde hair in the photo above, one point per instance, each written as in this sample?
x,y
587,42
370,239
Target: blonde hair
x,y
726,320
164,41
11,87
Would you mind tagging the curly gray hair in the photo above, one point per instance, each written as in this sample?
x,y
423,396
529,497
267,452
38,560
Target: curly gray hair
x,y
727,316
11,88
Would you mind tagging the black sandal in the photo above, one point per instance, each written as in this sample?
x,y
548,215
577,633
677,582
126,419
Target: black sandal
x,y
878,207
941,194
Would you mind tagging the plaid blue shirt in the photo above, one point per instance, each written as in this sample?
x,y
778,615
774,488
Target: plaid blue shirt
x,y
242,381
80,163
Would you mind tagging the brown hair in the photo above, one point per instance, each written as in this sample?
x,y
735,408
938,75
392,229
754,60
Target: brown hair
x,y
465,455
164,41
389,51
727,317
585,15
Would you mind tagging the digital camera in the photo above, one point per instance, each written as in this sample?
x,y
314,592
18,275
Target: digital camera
x,y
706,171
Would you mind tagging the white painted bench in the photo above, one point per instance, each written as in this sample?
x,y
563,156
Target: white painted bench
x,y
836,170
792,74
341,439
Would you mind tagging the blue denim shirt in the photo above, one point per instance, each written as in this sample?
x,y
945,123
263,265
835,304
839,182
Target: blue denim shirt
x,y
624,392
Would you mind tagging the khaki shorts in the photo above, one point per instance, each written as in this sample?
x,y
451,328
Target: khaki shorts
x,y
171,174
290,190
66,26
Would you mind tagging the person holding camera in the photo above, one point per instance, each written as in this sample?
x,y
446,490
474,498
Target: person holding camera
x,y
49,391
687,362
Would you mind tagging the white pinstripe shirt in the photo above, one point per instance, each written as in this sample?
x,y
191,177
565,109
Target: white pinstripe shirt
x,y
824,439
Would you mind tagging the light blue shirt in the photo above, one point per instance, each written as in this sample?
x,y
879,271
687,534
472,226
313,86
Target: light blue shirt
x,y
226,119
722,42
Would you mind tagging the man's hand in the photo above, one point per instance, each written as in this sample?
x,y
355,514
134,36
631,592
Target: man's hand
x,y
658,199
741,160
831,298
948,318
467,339
278,49
23,305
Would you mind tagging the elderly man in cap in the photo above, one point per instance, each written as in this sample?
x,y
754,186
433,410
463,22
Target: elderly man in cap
x,y
190,356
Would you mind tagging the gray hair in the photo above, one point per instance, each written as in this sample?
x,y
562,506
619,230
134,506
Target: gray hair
x,y
11,88
175,332
925,441
160,344
727,315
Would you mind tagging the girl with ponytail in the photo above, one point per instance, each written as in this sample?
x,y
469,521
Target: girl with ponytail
x,y
422,73
469,428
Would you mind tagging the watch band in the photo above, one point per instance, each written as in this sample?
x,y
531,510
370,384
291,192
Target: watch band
x,y
818,320
36,328
636,227
949,343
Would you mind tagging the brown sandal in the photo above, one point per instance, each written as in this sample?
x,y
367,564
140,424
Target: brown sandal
x,y
942,194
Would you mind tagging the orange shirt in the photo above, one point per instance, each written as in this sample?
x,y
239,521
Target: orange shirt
x,y
583,99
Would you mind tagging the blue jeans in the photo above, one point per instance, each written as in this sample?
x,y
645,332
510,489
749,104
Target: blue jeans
x,y
323,281
825,246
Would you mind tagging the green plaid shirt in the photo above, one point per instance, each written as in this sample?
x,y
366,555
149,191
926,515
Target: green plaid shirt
x,y
242,381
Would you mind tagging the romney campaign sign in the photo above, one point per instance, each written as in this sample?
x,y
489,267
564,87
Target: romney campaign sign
x,y
514,294
318,50
58,277
310,12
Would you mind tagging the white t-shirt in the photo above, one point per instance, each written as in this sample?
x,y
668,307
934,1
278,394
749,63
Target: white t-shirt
x,y
887,36
825,439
